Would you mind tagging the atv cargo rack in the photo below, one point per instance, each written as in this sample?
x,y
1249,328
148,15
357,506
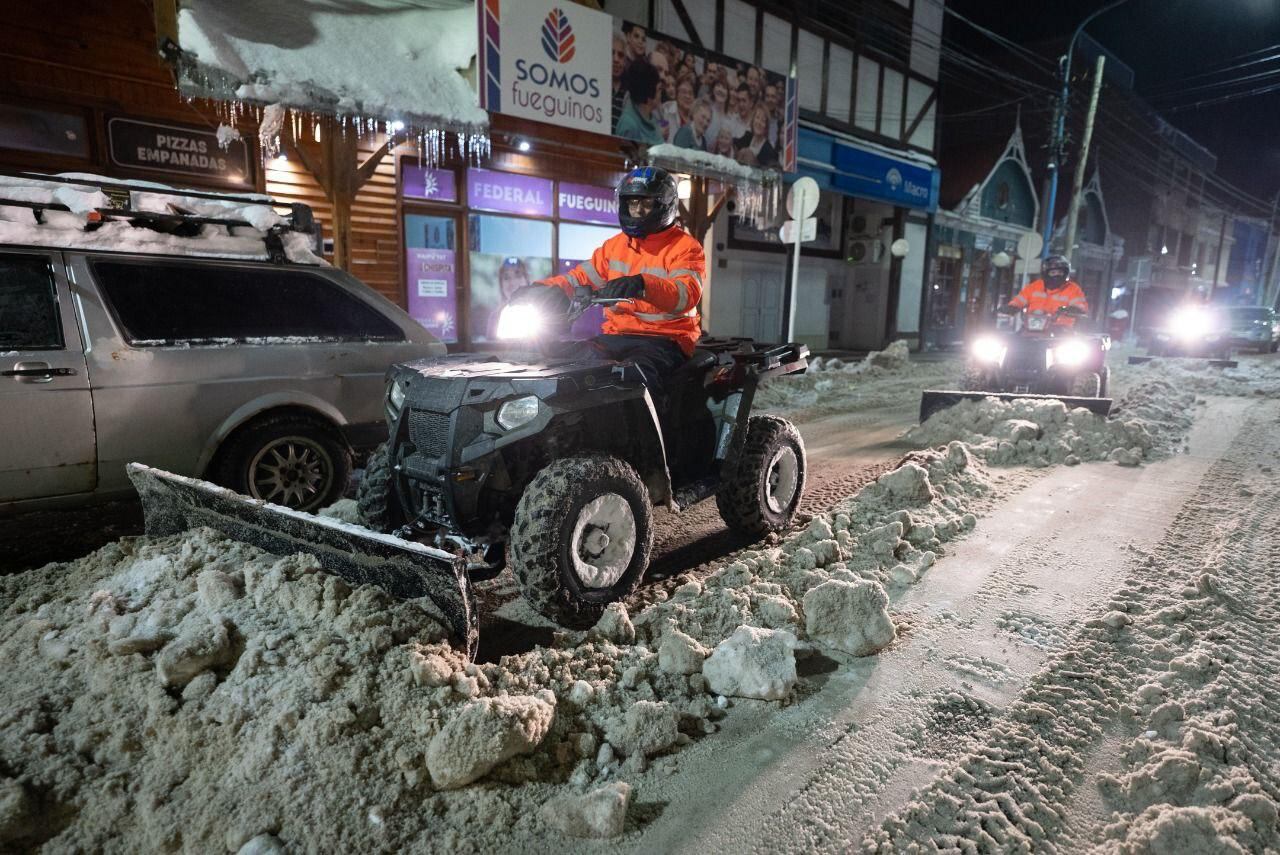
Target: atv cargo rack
x,y
177,221
406,570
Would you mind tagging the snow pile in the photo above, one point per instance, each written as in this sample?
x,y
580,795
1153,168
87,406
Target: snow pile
x,y
756,191
249,696
382,59
66,229
1149,423
881,378
1253,376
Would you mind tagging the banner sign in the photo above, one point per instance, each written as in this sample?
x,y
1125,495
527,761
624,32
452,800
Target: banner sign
x,y
547,61
851,169
432,291
177,150
508,193
438,185
585,203
557,62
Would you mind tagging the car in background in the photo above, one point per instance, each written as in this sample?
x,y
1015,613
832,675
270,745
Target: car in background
x,y
1192,329
260,373
1254,327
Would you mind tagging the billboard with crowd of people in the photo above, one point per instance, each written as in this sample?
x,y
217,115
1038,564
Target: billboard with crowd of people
x,y
668,91
547,60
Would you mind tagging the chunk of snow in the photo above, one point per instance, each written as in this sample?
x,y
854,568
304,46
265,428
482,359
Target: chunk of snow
x,y
851,617
487,731
601,812
753,663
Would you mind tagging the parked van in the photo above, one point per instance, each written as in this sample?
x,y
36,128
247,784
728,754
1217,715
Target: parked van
x,y
264,376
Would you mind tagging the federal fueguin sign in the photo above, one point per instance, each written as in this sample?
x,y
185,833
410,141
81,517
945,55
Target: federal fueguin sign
x,y
177,150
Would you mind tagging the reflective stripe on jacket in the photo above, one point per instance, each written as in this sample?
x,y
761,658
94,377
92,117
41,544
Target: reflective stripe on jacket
x,y
672,264
1036,296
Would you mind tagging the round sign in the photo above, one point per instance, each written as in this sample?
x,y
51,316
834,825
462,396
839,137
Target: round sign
x,y
899,248
1029,245
805,190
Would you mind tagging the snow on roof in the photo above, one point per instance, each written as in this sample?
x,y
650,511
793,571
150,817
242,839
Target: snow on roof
x,y
703,161
66,229
388,59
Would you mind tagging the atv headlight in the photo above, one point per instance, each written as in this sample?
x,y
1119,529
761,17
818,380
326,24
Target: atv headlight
x,y
990,350
517,413
395,395
1071,353
520,321
1189,323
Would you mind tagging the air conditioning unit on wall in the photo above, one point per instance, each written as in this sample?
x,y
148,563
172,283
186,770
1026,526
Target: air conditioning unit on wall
x,y
864,250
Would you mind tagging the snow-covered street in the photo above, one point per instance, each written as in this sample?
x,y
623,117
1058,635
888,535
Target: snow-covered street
x,y
985,648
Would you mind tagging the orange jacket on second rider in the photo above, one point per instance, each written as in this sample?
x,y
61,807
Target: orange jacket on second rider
x,y
1037,296
672,264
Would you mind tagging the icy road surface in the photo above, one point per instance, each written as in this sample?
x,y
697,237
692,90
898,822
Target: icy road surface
x,y
1039,638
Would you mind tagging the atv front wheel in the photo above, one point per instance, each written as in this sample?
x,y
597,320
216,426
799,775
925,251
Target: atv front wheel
x,y
1087,384
375,497
581,538
762,493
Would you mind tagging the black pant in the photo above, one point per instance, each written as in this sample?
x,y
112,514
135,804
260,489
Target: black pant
x,y
655,356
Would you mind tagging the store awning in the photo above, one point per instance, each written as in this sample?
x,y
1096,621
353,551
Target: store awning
x,y
848,167
369,61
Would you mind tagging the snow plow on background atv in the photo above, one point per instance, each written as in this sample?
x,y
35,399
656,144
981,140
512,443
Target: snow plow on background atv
x,y
550,465
1026,357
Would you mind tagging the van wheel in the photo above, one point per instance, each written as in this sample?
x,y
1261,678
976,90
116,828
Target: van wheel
x,y
375,497
295,461
581,538
1087,384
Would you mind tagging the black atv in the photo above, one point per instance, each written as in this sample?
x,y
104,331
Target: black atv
x,y
553,465
1027,357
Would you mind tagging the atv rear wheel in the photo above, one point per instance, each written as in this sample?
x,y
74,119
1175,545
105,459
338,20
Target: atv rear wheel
x,y
762,493
375,497
581,538
1087,384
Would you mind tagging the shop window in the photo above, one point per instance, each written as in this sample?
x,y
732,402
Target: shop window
x,y
431,273
29,317
944,293
160,304
577,243
44,131
506,253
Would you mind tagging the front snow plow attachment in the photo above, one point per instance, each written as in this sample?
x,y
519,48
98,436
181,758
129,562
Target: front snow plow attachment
x,y
407,570
933,400
1213,363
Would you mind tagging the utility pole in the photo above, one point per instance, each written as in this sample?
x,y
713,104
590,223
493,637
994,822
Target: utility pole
x,y
1060,124
1077,183
1269,273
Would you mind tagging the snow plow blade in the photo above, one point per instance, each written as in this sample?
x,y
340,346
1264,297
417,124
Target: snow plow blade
x,y
1213,363
406,570
933,401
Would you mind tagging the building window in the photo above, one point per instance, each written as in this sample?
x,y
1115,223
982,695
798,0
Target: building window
x,y
1002,195
944,291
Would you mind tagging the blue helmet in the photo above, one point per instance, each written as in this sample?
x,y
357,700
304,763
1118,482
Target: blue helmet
x,y
648,182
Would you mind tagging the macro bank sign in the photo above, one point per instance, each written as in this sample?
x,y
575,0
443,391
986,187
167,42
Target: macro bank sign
x,y
547,61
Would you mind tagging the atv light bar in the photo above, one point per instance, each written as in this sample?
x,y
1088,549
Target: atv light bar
x,y
990,350
1071,354
520,321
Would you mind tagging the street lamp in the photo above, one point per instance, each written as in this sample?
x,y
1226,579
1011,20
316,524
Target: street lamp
x,y
1059,128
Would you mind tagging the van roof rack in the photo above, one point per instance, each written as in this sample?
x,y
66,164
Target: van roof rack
x,y
176,221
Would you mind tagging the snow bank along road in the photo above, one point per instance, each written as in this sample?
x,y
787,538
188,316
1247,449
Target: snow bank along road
x,y
985,649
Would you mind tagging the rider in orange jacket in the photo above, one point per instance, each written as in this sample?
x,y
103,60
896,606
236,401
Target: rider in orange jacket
x,y
655,265
1054,292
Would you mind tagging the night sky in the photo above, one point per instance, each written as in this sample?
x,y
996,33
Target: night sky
x,y
1162,41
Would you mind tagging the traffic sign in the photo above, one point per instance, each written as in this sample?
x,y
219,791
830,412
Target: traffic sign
x,y
808,230
802,198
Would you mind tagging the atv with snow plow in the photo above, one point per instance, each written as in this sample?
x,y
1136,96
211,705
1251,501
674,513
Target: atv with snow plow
x,y
550,465
1027,357
554,464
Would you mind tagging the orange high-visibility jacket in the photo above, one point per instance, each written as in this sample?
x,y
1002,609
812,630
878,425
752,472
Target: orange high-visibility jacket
x,y
1036,296
672,264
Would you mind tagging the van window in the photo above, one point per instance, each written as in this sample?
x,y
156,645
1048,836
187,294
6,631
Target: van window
x,y
161,303
29,318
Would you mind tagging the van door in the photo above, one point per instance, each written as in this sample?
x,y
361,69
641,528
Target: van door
x,y
47,443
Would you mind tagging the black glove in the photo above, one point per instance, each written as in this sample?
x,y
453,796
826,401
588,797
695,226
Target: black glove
x,y
546,297
1006,309
623,288
1070,311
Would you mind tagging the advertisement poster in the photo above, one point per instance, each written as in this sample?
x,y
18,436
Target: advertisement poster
x,y
433,293
586,203
494,278
557,62
669,91
547,61
436,185
508,193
